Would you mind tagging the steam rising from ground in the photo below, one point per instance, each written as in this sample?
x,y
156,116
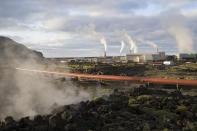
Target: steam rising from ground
x,y
176,26
33,94
26,93
133,46
38,94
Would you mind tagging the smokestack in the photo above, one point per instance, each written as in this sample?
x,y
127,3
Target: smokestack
x,y
130,51
105,54
157,50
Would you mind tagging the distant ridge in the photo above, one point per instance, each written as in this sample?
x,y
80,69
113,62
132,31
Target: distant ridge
x,y
12,51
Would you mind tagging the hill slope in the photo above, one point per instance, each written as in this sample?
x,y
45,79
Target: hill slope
x,y
12,51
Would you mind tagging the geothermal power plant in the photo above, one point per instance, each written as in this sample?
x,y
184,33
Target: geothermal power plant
x,y
131,57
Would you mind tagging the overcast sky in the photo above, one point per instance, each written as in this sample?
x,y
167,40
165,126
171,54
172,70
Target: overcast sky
x,y
64,27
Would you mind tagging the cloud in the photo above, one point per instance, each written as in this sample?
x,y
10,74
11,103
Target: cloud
x,y
175,24
175,4
45,24
54,24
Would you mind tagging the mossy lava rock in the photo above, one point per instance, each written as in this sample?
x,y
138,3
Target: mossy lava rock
x,y
132,110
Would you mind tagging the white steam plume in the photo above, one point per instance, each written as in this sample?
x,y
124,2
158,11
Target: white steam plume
x,y
27,93
90,30
148,42
176,26
122,46
102,39
133,46
38,94
24,93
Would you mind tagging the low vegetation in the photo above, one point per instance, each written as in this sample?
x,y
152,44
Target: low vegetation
x,y
181,71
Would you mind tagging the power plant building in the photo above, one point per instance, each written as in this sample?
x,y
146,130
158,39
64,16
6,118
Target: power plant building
x,y
159,56
186,56
135,58
141,58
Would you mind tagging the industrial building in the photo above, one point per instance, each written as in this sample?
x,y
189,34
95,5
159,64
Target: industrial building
x,y
134,58
168,63
138,58
158,56
187,56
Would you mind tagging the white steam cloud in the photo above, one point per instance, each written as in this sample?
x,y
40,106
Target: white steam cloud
x,y
27,93
90,30
122,46
36,93
133,45
149,43
176,26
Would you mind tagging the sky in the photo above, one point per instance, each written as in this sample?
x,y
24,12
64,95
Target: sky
x,y
65,28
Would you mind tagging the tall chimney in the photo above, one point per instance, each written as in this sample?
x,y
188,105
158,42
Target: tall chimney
x,y
105,54
157,49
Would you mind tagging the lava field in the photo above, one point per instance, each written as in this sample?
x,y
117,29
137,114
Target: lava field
x,y
135,109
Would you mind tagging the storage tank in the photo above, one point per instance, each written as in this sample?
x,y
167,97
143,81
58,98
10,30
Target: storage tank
x,y
168,63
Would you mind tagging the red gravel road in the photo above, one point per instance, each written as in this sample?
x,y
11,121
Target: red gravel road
x,y
119,78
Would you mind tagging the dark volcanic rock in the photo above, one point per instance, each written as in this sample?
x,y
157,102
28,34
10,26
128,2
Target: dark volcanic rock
x,y
122,111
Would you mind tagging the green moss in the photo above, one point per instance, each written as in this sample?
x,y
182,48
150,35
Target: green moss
x,y
181,108
146,126
64,115
131,101
120,129
158,97
134,105
95,114
158,113
165,113
165,129
96,99
191,126
147,102
170,98
144,97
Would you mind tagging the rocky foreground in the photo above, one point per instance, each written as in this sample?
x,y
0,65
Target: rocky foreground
x,y
137,109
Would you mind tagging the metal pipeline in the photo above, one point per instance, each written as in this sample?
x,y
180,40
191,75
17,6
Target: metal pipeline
x,y
119,78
